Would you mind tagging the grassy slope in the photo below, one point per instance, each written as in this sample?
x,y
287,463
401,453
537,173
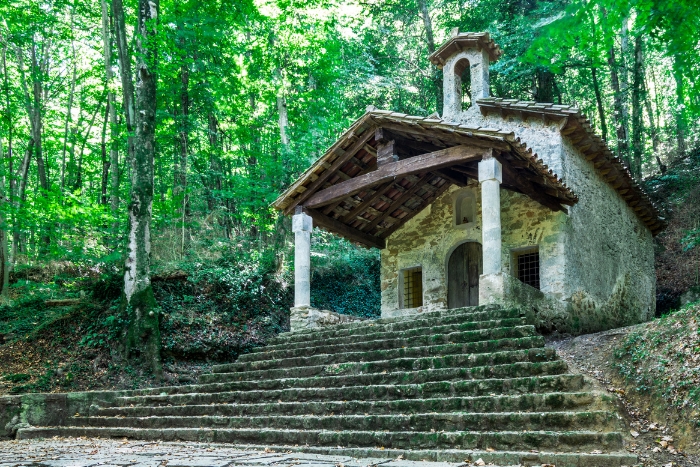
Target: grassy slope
x,y
659,364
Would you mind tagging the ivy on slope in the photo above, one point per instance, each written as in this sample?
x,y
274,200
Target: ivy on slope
x,y
661,359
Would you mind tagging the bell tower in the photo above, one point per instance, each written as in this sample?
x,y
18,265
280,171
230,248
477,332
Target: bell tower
x,y
465,55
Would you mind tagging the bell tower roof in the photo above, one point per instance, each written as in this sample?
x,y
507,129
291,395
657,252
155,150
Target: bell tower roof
x,y
462,41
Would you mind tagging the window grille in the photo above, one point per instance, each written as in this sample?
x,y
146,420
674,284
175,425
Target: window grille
x,y
529,269
412,288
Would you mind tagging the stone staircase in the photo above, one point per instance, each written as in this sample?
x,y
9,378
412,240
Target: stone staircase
x,y
455,385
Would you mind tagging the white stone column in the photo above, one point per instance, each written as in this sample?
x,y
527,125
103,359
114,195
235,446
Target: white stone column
x,y
491,281
302,226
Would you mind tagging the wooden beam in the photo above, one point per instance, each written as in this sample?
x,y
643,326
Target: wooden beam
x,y
398,202
367,202
311,189
337,227
395,170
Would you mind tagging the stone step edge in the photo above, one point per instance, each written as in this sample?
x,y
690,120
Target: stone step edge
x,y
357,356
397,335
223,390
552,363
412,317
602,395
353,364
481,319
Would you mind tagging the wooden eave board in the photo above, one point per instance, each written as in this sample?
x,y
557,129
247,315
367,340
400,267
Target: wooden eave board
x,y
578,129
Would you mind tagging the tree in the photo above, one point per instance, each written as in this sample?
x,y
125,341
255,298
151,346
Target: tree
x,y
143,334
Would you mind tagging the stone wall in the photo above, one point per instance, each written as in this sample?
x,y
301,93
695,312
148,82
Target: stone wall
x,y
429,239
610,254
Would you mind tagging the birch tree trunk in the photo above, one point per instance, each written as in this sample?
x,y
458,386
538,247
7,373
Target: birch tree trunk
x,y
143,333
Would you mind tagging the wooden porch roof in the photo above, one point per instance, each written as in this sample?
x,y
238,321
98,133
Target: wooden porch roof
x,y
345,191
578,129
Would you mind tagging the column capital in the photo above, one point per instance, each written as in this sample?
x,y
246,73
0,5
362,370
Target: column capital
x,y
302,223
490,169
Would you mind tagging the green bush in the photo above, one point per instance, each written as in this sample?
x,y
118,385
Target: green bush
x,y
344,278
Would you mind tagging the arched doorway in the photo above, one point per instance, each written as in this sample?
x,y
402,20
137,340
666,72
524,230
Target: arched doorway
x,y
463,270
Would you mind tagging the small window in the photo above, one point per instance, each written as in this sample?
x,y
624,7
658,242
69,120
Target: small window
x,y
412,296
463,82
528,264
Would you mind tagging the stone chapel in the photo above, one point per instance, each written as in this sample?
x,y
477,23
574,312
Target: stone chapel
x,y
496,201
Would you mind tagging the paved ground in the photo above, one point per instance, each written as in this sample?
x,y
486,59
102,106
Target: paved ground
x,y
68,452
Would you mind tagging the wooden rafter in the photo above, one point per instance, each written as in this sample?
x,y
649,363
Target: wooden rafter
x,y
367,202
426,201
330,171
398,202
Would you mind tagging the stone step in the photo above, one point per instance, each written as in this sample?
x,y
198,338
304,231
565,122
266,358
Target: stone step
x,y
368,355
502,440
325,365
491,457
362,381
424,337
474,320
545,402
391,391
597,421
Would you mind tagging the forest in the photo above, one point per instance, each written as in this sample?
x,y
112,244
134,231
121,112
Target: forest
x,y
156,134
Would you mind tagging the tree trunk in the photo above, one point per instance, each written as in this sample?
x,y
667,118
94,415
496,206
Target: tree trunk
x,y
69,108
544,85
637,97
652,120
33,101
19,199
619,112
125,73
143,333
680,106
214,161
105,161
7,175
599,103
436,77
4,229
283,119
113,128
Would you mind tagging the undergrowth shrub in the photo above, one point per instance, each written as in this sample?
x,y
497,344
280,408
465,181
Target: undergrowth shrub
x,y
344,278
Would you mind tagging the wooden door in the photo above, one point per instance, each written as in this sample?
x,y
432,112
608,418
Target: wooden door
x,y
463,270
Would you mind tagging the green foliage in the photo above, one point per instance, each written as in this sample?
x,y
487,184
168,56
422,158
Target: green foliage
x,y
17,377
661,358
344,279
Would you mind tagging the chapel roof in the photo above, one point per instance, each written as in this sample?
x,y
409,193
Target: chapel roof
x,y
370,212
579,131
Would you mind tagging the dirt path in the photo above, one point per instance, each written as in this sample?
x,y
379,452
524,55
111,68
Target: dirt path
x,y
592,355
